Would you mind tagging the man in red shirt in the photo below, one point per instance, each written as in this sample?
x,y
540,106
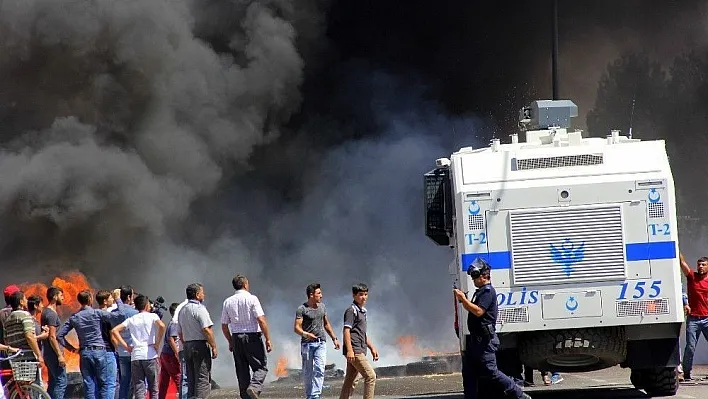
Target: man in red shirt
x,y
697,320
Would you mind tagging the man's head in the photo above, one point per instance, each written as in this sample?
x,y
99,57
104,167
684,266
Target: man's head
x,y
9,291
55,295
84,298
141,303
195,291
173,308
360,292
104,299
126,294
480,272
18,301
240,282
34,304
702,265
314,292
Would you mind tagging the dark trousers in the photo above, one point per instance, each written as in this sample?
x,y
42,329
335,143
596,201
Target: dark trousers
x,y
249,355
56,386
481,373
197,355
141,370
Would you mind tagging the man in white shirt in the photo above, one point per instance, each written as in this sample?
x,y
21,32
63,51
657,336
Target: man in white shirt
x,y
244,326
146,331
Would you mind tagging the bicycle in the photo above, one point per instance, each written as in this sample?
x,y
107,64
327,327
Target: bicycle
x,y
22,376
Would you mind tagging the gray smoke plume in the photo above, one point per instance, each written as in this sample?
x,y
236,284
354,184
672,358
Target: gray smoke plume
x,y
116,117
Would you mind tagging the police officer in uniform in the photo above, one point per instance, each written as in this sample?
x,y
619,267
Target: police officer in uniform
x,y
480,362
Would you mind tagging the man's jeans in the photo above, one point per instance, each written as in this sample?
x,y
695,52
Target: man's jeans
x,y
183,377
96,372
144,370
56,387
694,327
313,355
126,391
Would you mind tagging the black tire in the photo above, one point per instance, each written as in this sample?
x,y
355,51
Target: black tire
x,y
637,378
574,350
427,368
656,382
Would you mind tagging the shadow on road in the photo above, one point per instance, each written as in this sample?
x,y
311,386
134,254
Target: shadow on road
x,y
586,393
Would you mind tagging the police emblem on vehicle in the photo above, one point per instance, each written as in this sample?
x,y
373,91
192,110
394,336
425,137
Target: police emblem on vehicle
x,y
568,254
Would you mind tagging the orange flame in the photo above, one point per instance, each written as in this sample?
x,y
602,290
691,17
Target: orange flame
x,y
281,368
408,347
72,283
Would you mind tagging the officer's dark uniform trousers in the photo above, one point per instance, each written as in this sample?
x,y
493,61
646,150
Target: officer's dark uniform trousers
x,y
481,377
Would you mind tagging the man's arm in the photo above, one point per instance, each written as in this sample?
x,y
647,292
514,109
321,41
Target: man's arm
x,y
299,331
54,344
61,336
160,333
264,328
347,333
374,352
209,334
115,335
330,331
685,268
32,341
468,305
225,325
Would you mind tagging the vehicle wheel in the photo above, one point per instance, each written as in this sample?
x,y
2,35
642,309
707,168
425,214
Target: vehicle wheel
x,y
656,382
32,391
637,379
574,350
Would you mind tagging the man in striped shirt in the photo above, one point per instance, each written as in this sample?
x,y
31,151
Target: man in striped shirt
x,y
243,324
19,330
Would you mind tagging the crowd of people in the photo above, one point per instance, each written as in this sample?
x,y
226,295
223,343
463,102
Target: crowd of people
x,y
127,351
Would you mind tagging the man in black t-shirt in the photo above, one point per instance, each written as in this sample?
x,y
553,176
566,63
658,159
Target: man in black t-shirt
x,y
52,352
356,343
481,344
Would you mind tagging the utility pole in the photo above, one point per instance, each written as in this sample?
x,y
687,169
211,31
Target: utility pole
x,y
554,60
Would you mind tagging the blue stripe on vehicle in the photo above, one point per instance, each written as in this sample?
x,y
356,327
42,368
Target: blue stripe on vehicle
x,y
634,252
651,250
498,260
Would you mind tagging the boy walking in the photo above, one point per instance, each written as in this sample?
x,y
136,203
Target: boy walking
x,y
311,322
146,330
356,343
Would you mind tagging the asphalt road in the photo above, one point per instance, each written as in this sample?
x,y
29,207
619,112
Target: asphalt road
x,y
611,383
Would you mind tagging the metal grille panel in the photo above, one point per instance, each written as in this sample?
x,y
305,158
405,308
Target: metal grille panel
x,y
476,222
559,162
567,245
656,210
513,315
639,308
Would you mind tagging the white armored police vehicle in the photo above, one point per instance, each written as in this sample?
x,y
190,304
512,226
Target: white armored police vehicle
x,y
581,236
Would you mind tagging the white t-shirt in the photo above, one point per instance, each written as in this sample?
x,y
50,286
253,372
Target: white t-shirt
x,y
143,332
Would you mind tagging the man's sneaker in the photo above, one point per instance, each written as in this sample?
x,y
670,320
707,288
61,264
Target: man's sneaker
x,y
252,393
556,378
687,377
681,377
524,395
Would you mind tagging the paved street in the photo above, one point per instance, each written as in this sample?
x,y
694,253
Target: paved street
x,y
611,383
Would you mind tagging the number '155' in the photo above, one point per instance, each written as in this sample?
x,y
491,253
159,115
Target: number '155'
x,y
640,289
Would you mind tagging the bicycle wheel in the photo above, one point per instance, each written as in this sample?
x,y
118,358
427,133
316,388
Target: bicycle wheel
x,y
25,391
